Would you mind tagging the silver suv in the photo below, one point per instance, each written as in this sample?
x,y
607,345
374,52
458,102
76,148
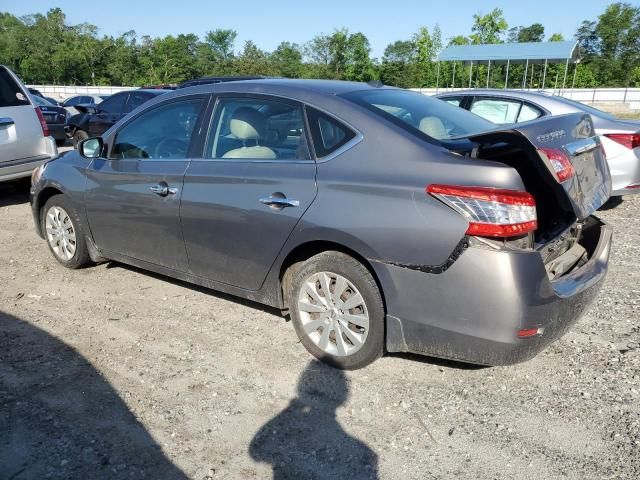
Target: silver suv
x,y
24,137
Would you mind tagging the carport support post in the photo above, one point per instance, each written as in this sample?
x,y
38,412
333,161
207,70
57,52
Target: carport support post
x,y
470,72
564,81
453,80
544,75
437,77
524,79
573,84
488,70
506,77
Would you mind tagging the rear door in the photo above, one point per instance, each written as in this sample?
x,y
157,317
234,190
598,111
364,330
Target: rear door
x,y
133,196
108,113
20,129
244,198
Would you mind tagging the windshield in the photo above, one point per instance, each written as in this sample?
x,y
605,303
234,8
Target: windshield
x,y
420,113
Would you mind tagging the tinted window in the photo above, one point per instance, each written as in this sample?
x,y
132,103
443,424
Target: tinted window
x,y
496,110
528,112
419,113
328,134
163,132
135,100
41,102
114,103
11,95
258,129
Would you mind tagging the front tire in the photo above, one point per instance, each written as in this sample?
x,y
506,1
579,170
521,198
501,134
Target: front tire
x,y
337,310
64,235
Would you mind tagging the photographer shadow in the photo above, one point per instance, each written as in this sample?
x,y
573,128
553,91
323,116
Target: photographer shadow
x,y
305,440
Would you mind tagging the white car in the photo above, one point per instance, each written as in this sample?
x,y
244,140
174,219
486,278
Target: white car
x,y
24,136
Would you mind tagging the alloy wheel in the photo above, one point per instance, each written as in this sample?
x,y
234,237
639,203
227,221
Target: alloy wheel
x,y
60,233
333,313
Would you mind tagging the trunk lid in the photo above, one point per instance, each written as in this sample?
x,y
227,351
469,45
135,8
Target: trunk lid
x,y
573,135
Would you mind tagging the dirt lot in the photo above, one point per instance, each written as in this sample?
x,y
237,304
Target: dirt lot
x,y
111,373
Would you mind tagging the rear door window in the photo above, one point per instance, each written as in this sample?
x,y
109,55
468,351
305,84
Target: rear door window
x,y
328,134
135,100
113,104
11,95
496,110
257,129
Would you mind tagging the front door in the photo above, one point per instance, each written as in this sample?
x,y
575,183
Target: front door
x,y
241,203
133,196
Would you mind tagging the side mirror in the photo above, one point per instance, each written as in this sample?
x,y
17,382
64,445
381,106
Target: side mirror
x,y
91,147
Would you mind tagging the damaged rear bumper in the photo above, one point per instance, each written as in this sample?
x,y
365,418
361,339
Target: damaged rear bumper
x,y
475,310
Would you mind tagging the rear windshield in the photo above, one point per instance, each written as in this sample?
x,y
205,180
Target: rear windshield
x,y
11,95
421,114
586,108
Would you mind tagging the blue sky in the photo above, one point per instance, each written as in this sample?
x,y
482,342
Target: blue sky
x,y
268,22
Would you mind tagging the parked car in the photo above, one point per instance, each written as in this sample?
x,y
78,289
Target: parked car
x,y
52,101
71,102
377,217
24,136
620,138
95,119
55,117
209,80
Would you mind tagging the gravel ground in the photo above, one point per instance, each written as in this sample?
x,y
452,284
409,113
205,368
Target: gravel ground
x,y
111,372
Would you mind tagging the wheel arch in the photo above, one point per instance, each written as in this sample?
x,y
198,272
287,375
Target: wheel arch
x,y
44,195
302,252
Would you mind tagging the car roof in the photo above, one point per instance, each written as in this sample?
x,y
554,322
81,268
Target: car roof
x,y
500,92
331,87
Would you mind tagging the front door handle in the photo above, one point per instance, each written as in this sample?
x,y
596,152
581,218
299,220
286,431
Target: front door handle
x,y
163,189
6,121
279,201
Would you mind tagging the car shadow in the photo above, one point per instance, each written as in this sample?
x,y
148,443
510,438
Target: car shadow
x,y
440,362
306,441
60,418
14,192
198,288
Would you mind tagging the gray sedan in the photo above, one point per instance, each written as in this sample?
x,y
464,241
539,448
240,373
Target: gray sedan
x,y
377,218
620,138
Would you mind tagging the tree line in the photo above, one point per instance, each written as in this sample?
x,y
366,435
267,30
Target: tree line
x,y
45,48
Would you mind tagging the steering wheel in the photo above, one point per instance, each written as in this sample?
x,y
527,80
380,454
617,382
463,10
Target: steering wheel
x,y
170,148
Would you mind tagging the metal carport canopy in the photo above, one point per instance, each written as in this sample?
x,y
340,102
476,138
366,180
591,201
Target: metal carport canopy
x,y
498,53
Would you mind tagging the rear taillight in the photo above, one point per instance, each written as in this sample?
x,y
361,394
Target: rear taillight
x,y
43,124
560,162
491,212
629,140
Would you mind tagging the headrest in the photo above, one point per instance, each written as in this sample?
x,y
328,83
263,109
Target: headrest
x,y
433,127
248,124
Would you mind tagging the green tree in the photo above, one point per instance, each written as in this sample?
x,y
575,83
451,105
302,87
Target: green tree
x,y
359,65
556,37
488,28
287,60
396,63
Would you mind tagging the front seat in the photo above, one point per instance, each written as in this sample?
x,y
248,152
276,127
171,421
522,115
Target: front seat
x,y
249,125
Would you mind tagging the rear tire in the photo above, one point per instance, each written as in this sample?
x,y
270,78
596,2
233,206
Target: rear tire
x,y
79,136
337,310
63,233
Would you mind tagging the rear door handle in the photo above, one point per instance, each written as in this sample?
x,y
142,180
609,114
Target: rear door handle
x,y
279,202
6,121
163,189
